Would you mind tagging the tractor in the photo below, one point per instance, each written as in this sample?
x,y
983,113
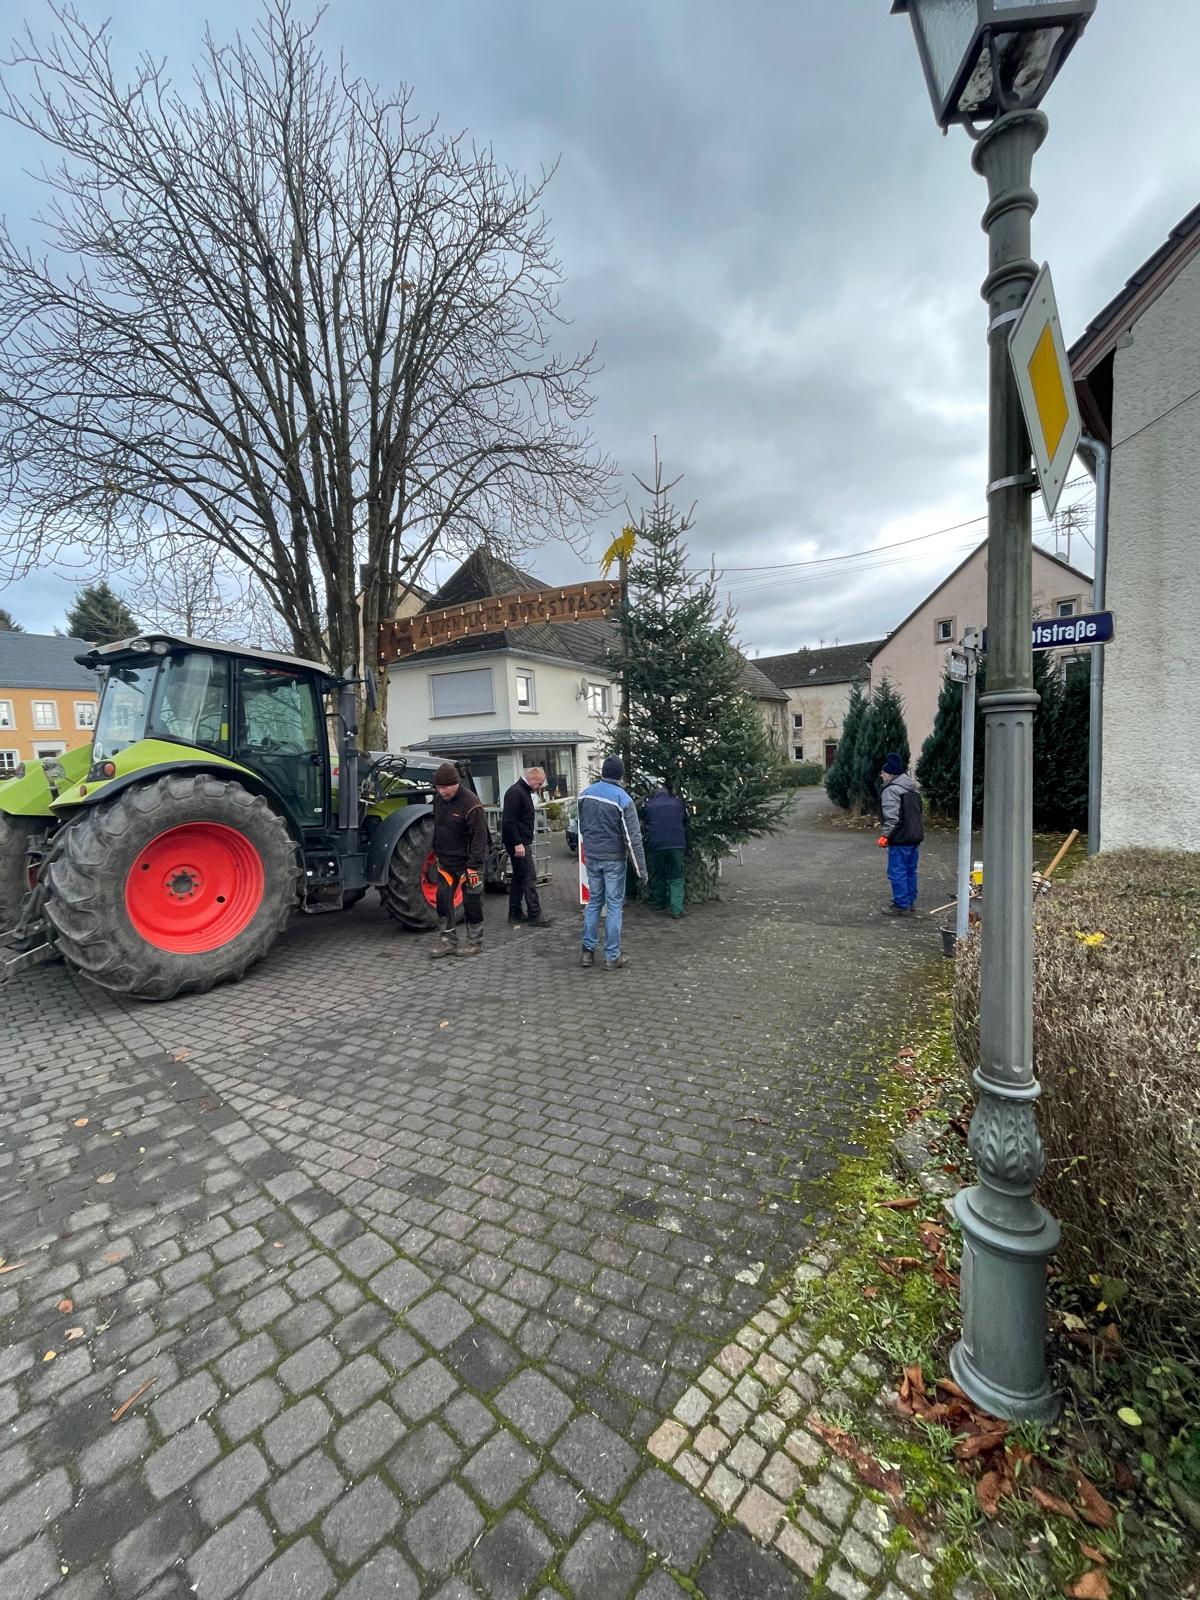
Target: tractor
x,y
169,855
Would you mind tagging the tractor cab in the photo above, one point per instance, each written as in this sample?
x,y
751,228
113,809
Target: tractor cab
x,y
263,713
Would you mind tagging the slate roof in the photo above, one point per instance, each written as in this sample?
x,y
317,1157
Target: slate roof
x,y
43,661
757,682
833,663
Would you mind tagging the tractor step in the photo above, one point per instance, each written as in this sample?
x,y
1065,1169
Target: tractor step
x,y
38,956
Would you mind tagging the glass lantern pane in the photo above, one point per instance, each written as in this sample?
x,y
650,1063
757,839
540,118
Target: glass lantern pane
x,y
947,28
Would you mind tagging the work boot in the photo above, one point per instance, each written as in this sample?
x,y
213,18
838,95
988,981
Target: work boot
x,y
541,922
588,958
447,945
897,911
472,947
612,966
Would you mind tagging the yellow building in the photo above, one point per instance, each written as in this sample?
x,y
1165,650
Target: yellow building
x,y
47,700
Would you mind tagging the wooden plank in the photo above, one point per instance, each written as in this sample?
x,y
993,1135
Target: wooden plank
x,y
407,636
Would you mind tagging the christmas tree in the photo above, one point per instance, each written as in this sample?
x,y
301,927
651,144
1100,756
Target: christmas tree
x,y
100,616
690,724
837,779
881,730
938,764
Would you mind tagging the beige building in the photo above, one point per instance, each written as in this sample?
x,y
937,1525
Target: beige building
x,y
47,700
1137,376
817,686
914,654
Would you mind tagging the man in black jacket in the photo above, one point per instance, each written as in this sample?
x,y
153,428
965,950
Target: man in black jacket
x,y
460,846
517,826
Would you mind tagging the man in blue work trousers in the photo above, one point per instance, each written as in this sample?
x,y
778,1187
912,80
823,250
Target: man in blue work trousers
x,y
903,831
611,836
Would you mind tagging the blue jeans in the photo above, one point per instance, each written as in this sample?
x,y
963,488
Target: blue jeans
x,y
902,873
606,887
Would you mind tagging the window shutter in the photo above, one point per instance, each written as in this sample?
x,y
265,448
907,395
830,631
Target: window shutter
x,y
462,694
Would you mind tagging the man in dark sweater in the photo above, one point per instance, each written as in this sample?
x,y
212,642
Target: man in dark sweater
x,y
460,846
666,842
517,827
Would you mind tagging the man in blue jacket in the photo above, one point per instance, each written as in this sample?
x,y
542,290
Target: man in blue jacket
x,y
666,842
610,835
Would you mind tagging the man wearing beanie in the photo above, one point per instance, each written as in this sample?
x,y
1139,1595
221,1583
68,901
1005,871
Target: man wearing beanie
x,y
460,849
903,831
610,835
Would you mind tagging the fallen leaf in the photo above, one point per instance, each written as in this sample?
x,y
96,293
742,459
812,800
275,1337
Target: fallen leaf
x,y
1094,1585
933,1236
895,1266
1094,1508
975,1445
871,1291
443,1024
51,1355
66,1305
80,1122
906,1052
987,1493
13,1266
1052,1502
943,1277
74,1333
904,1070
948,1386
1090,1551
1123,1477
106,1177
115,1255
1129,1417
277,1244
182,1055
883,1479
908,1203
136,1395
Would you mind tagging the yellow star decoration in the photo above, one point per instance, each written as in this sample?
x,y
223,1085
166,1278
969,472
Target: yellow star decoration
x,y
1090,938
620,549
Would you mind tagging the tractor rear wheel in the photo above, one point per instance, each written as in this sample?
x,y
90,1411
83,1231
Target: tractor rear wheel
x,y
14,880
173,886
410,893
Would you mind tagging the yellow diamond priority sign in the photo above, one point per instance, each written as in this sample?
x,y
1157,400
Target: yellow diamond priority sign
x,y
1039,359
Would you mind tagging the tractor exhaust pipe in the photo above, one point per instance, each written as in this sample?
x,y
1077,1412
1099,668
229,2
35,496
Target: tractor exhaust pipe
x,y
347,706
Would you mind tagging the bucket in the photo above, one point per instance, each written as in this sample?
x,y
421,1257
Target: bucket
x,y
949,940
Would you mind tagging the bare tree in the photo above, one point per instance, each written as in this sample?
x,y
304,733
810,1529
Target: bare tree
x,y
196,589
282,318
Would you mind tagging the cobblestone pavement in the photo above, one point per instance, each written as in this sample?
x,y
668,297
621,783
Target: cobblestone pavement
x,y
401,1268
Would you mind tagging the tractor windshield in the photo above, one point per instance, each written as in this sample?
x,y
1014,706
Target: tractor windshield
x,y
192,703
124,705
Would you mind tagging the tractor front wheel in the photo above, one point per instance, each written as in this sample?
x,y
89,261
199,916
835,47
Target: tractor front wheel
x,y
173,887
410,893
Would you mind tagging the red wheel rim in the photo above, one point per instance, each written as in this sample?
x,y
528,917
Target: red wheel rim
x,y
429,883
194,888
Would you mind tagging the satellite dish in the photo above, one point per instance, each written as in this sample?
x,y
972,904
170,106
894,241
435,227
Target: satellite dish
x,y
582,693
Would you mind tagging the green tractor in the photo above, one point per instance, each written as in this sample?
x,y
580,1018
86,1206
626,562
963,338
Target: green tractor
x,y
169,856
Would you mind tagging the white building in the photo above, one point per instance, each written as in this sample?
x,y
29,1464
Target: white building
x,y
1137,376
533,696
817,684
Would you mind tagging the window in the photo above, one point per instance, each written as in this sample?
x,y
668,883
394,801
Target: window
x,y
525,699
9,760
797,720
798,752
54,747
944,630
85,713
45,714
462,694
6,714
1067,608
599,699
124,705
279,734
192,702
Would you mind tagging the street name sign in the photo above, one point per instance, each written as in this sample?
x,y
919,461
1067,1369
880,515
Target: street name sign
x,y
1039,358
1067,633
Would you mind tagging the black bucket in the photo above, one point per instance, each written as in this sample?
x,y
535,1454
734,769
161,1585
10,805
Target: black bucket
x,y
949,940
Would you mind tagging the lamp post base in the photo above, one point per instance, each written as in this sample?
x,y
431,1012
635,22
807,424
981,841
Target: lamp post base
x,y
999,1362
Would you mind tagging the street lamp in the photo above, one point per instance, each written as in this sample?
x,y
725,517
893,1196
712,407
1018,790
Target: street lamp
x,y
992,61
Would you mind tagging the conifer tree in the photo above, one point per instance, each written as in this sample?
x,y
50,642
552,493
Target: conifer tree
x,y
882,730
837,779
938,764
100,616
691,724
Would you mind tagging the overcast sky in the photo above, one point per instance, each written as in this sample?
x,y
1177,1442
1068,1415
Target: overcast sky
x,y
777,253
